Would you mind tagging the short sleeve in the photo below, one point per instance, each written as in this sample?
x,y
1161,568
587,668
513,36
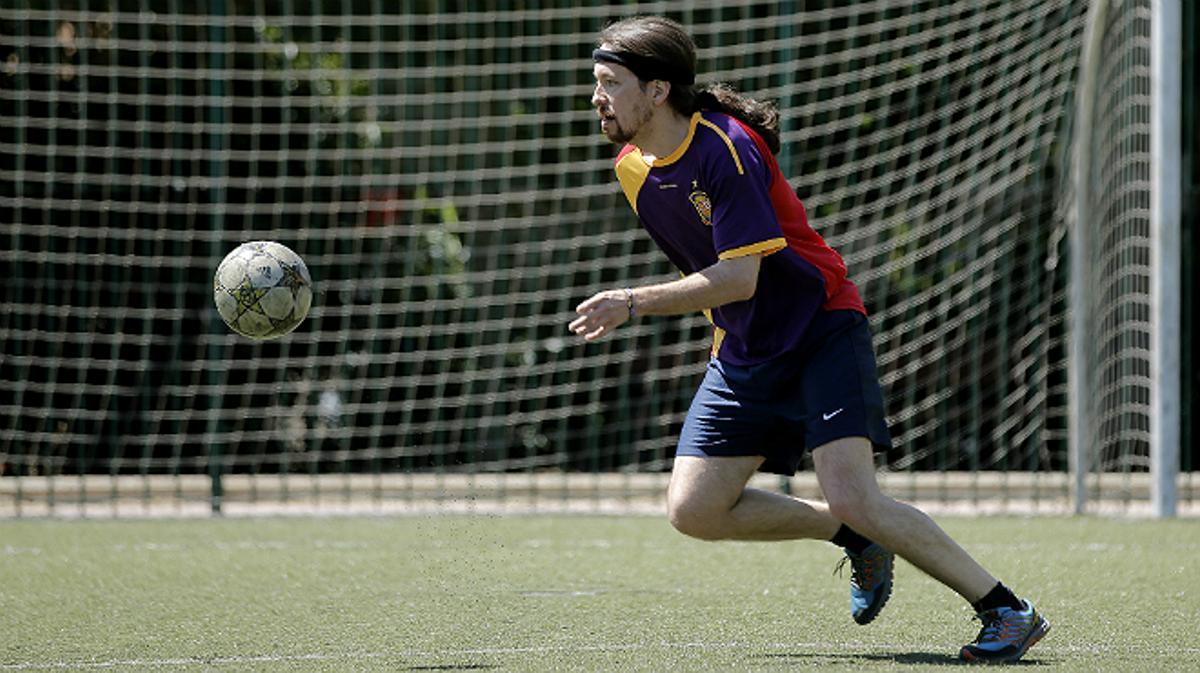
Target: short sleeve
x,y
738,187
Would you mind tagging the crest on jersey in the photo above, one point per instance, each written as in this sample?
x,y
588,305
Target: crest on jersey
x,y
702,204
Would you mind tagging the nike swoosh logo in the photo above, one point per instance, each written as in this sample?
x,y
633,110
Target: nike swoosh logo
x,y
832,414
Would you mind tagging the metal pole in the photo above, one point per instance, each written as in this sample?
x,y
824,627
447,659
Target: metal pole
x,y
217,158
1080,418
1166,81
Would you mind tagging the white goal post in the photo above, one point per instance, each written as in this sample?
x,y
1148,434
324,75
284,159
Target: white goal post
x,y
1166,63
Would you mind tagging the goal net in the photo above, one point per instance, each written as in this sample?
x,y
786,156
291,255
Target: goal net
x,y
1116,327
441,172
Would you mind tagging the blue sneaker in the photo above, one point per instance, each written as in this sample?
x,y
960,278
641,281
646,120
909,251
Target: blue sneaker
x,y
1006,636
870,581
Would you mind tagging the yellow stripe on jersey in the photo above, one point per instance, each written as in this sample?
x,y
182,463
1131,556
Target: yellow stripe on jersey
x,y
718,333
728,143
764,248
697,118
718,339
632,171
683,146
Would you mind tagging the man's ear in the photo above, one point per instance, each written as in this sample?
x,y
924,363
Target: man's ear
x,y
662,89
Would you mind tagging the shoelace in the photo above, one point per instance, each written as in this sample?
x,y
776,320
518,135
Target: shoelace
x,y
861,574
991,626
997,628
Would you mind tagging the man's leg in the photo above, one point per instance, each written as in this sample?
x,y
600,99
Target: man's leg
x,y
846,472
708,499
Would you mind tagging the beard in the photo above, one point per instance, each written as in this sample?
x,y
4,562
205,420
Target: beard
x,y
620,133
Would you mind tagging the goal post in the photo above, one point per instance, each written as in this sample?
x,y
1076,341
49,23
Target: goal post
x,y
1082,434
1166,183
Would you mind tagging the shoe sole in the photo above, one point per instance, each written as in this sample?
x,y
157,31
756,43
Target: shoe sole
x,y
868,617
1034,636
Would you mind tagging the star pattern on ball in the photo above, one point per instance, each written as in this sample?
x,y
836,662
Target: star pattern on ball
x,y
248,295
291,277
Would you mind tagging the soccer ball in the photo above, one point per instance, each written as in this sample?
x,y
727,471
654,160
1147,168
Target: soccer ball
x,y
262,290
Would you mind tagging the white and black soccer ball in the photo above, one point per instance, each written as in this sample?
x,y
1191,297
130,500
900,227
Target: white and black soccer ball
x,y
262,289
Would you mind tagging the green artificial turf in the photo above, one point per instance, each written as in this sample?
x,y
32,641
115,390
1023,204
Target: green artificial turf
x,y
563,593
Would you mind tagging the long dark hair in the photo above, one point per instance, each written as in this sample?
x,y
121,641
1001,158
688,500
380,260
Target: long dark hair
x,y
666,41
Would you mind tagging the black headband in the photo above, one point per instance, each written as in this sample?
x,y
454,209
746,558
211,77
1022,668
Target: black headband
x,y
644,67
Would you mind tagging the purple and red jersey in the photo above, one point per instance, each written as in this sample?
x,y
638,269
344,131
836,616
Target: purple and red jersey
x,y
721,195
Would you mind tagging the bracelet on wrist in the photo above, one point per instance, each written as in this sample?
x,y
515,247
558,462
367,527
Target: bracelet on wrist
x,y
629,303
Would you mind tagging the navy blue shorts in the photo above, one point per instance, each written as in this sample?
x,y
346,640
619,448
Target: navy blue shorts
x,y
824,390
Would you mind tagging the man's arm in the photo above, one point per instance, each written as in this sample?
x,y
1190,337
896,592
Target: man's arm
x,y
727,281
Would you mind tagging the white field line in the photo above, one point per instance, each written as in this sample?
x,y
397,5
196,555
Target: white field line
x,y
830,649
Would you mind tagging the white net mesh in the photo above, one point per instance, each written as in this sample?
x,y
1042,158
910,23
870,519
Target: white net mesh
x,y
441,174
1116,205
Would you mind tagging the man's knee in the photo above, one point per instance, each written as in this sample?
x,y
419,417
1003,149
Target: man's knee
x,y
859,511
699,507
846,471
703,492
695,518
849,511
